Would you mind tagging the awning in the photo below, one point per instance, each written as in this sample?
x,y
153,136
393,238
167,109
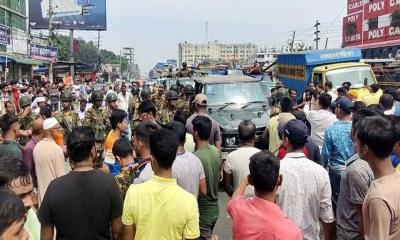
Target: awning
x,y
20,60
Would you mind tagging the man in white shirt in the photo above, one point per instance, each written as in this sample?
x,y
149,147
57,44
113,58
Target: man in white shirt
x,y
187,168
328,89
305,193
124,98
236,167
320,119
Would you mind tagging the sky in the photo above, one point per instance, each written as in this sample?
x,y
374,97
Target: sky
x,y
155,27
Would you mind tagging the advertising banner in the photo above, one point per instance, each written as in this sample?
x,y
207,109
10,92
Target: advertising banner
x,y
393,5
352,29
4,35
375,35
69,14
375,9
44,53
354,6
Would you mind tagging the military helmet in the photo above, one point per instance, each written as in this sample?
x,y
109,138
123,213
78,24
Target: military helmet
x,y
174,87
66,96
171,95
188,89
135,90
24,101
282,93
145,93
111,97
97,95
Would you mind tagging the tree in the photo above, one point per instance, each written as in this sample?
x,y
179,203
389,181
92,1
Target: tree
x,y
87,52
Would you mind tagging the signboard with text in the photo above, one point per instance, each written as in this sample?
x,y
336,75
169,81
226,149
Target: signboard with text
x,y
375,9
69,14
354,6
44,53
352,29
371,22
375,35
4,37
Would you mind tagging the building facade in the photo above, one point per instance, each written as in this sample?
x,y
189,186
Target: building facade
x,y
374,26
215,52
15,63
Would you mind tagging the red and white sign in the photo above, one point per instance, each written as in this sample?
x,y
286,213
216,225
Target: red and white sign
x,y
393,33
375,9
354,6
375,35
393,5
352,29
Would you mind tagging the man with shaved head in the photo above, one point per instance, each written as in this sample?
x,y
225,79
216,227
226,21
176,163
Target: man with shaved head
x,y
37,135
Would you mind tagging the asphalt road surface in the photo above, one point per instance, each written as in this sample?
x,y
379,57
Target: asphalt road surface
x,y
223,228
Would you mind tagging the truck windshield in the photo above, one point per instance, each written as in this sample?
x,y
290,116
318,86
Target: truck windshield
x,y
355,75
238,93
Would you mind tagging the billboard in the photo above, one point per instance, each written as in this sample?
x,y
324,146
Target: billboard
x,y
354,6
352,29
375,9
69,14
4,37
45,53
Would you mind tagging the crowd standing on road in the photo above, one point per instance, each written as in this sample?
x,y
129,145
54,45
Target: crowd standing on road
x,y
140,162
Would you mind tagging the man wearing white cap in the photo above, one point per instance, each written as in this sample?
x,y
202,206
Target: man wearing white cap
x,y
48,155
200,106
37,104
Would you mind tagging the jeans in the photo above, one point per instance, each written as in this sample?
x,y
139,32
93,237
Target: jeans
x,y
335,175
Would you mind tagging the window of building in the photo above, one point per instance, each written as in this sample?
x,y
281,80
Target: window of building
x,y
373,24
395,19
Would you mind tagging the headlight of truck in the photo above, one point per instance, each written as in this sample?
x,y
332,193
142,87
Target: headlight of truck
x,y
230,141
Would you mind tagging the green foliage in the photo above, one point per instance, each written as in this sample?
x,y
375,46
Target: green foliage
x,y
87,52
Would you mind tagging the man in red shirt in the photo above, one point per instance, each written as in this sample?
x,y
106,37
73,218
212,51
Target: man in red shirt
x,y
259,217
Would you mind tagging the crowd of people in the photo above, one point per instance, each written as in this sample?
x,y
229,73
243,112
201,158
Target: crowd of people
x,y
131,162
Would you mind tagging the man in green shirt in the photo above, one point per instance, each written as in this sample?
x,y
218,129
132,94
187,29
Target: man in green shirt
x,y
11,129
210,158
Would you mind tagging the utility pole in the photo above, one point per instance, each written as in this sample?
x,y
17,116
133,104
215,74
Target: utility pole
x,y
326,43
317,24
71,48
292,44
120,63
51,66
98,50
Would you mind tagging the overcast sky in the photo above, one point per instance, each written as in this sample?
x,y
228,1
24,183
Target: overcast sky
x,y
155,27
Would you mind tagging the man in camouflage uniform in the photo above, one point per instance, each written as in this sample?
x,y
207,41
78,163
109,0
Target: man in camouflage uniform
x,y
184,71
276,107
26,117
98,120
122,150
67,118
159,99
167,114
111,100
184,103
145,94
133,107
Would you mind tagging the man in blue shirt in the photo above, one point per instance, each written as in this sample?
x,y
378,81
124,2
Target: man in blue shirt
x,y
338,146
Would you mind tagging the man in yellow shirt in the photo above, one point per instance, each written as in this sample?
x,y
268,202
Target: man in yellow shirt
x,y
159,208
373,97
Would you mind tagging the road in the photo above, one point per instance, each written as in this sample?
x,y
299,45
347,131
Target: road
x,y
223,228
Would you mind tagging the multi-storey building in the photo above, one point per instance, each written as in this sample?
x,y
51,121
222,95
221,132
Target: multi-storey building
x,y
14,55
214,51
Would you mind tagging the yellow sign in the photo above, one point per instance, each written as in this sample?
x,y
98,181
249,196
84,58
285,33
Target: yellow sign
x,y
292,71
